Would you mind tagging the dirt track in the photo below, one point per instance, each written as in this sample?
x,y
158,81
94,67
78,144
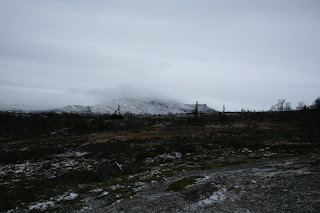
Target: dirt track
x,y
290,184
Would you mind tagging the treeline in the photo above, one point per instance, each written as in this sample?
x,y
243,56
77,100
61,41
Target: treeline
x,y
308,119
283,105
15,124
38,125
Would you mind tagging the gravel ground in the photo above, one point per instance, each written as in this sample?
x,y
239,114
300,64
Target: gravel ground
x,y
289,184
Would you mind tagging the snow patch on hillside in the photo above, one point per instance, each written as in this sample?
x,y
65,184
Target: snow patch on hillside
x,y
21,108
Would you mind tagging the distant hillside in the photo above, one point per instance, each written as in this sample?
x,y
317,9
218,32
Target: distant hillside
x,y
137,106
127,105
20,108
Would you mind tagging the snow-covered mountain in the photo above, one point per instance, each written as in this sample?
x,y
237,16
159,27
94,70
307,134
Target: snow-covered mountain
x,y
137,106
147,106
129,105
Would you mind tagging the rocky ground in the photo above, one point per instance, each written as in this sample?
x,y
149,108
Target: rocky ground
x,y
240,168
288,184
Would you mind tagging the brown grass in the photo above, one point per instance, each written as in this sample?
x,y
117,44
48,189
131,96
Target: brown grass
x,y
131,135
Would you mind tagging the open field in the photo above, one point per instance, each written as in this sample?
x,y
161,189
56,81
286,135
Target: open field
x,y
249,162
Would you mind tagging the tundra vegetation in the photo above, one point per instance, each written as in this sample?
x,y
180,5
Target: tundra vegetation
x,y
227,162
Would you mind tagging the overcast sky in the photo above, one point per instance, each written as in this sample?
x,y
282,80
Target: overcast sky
x,y
244,54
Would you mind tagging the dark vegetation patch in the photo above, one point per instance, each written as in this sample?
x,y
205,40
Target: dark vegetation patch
x,y
37,149
200,191
143,154
182,183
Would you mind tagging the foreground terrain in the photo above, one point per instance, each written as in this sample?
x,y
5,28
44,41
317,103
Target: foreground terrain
x,y
211,163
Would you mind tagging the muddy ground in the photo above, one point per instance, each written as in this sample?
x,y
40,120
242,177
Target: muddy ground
x,y
243,167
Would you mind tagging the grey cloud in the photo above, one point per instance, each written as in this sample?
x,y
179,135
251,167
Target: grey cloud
x,y
127,91
237,52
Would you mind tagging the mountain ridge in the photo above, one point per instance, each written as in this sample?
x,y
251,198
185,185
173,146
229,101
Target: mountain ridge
x,y
127,105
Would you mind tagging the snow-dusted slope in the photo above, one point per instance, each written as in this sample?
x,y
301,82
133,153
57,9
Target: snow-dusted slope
x,y
20,108
74,109
147,106
127,105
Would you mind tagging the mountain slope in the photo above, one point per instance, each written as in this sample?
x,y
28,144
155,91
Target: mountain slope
x,y
127,105
74,109
137,106
20,108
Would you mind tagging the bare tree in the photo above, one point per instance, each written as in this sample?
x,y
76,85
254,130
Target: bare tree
x,y
119,110
301,105
316,104
196,111
280,105
287,106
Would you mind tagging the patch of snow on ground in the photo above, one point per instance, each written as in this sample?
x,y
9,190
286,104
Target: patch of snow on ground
x,y
155,172
139,186
97,190
217,196
26,168
2,172
288,163
13,210
71,154
104,193
114,187
177,154
246,150
201,180
42,206
68,196
69,164
117,201
71,196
